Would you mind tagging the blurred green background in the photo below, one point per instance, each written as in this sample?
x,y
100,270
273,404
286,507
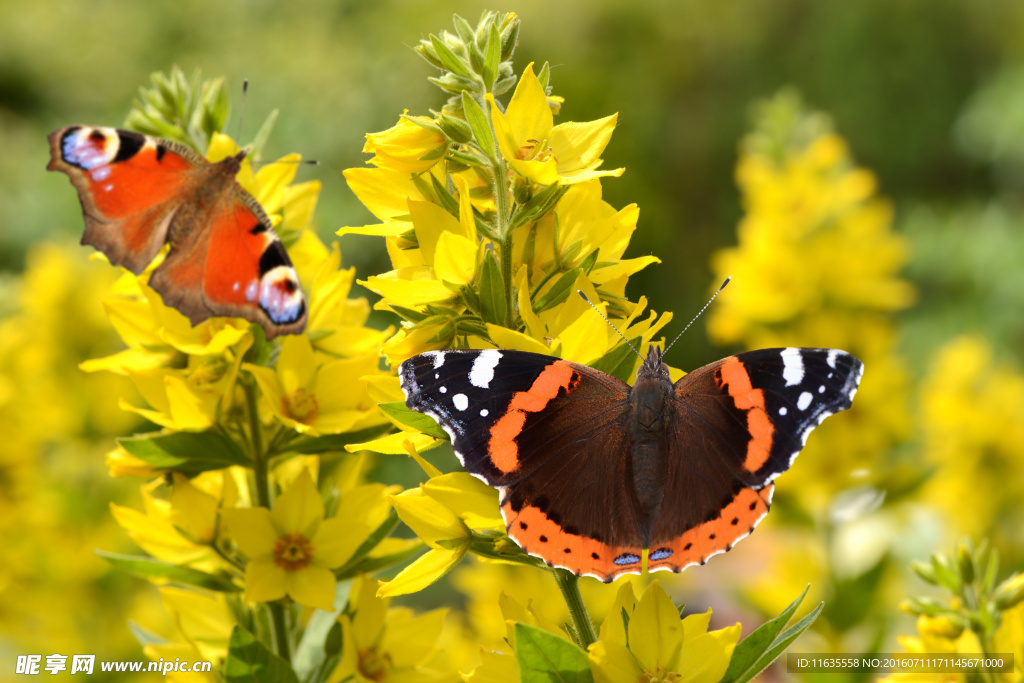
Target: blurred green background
x,y
929,95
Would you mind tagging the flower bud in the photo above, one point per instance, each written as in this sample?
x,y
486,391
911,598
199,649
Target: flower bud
x,y
1009,593
456,129
965,562
924,570
948,625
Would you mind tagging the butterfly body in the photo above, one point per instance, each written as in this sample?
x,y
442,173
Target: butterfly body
x,y
139,193
591,472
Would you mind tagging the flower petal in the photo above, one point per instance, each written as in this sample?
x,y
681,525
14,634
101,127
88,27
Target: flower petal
x,y
313,586
264,580
427,569
252,530
299,509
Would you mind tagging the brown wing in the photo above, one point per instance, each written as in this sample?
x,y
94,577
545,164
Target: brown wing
x,y
552,436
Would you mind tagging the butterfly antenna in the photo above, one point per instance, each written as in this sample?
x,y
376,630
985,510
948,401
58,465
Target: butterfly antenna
x,y
580,292
241,110
727,281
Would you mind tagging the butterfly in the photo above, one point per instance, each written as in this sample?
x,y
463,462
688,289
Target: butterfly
x,y
591,472
139,193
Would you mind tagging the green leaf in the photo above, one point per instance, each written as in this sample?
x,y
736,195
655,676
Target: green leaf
x,y
481,128
313,648
492,291
318,445
410,314
249,661
753,654
619,361
492,58
410,418
378,535
558,292
444,197
370,565
263,134
186,452
449,59
152,568
543,657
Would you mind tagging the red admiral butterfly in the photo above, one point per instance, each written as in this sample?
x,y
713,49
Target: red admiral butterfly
x,y
591,471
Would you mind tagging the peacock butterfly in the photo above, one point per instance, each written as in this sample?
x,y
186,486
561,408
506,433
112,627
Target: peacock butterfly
x,y
139,193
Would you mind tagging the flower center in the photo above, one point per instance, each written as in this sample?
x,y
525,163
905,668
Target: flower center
x,y
374,665
301,405
293,552
535,150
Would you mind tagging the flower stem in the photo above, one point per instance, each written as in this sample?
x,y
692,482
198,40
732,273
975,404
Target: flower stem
x,y
260,464
503,219
569,584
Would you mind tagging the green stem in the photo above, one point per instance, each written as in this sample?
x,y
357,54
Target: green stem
x,y
569,584
260,462
503,218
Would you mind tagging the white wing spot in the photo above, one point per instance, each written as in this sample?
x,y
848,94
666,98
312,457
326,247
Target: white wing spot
x,y
443,390
793,366
821,389
483,368
804,400
483,413
831,359
460,401
438,360
437,375
783,411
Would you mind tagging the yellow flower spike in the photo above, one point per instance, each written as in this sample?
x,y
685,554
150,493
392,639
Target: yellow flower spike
x,y
429,222
401,147
292,549
455,259
473,501
192,510
655,631
177,405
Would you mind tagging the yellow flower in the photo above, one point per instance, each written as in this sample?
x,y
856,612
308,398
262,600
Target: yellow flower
x,y
543,153
382,644
315,397
658,645
292,549
407,146
443,512
973,415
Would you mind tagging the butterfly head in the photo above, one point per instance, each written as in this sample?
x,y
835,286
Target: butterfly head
x,y
652,367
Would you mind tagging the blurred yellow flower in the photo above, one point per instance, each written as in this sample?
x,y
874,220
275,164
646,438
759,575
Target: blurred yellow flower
x,y
292,548
383,644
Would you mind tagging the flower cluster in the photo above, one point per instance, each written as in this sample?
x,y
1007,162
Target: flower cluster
x,y
242,513
980,617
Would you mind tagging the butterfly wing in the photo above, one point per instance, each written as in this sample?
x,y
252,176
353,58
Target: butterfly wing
x,y
540,430
741,422
130,187
138,193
